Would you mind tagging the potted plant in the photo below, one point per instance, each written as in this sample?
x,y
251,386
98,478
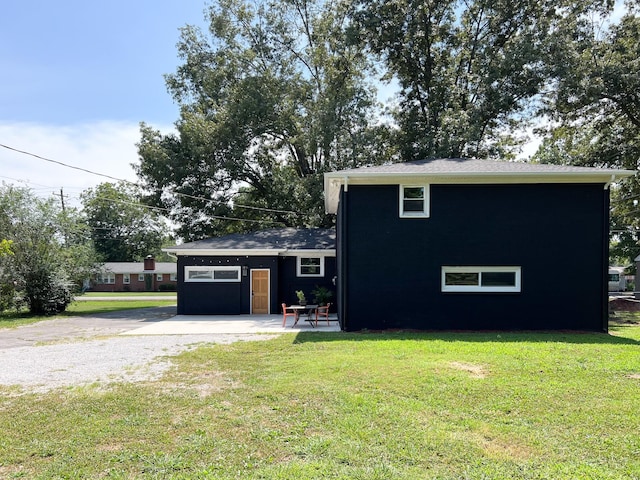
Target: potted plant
x,y
301,298
321,295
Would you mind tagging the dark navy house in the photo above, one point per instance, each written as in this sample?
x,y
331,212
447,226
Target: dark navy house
x,y
471,244
253,273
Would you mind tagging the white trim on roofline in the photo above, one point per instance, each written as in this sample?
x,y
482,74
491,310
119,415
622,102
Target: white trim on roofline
x,y
334,180
230,252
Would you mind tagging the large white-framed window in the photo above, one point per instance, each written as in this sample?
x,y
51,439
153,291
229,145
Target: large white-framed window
x,y
212,274
481,279
310,266
414,201
107,278
126,278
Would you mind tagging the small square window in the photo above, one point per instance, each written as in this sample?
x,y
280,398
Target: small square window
x,y
141,277
159,277
414,201
310,266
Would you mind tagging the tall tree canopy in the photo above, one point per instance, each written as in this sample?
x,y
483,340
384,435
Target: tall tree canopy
x,y
271,98
469,71
594,113
278,92
122,228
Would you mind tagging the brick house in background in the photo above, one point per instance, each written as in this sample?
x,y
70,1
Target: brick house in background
x,y
147,276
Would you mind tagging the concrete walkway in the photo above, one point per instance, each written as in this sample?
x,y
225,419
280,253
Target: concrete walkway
x,y
233,324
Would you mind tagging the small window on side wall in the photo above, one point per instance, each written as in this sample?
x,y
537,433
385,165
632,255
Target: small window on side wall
x,y
481,279
212,274
414,201
310,266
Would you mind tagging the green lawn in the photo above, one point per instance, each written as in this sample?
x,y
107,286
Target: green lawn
x,y
349,406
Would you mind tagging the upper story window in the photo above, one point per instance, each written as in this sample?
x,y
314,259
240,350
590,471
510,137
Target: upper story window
x,y
211,274
414,200
310,266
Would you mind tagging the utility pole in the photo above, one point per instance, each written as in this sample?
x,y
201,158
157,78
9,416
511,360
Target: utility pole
x,y
62,199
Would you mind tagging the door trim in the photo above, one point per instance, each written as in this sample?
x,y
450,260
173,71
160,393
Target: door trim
x,y
268,270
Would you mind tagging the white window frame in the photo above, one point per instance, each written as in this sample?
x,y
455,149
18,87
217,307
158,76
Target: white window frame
x,y
173,277
299,266
212,269
126,278
159,277
107,278
425,202
479,287
141,277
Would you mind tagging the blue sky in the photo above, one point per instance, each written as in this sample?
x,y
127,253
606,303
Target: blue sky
x,y
77,78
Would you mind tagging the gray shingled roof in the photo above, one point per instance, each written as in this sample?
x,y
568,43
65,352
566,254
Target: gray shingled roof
x,y
465,165
276,239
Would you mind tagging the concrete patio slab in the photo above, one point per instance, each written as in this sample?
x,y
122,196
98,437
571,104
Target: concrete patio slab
x,y
232,324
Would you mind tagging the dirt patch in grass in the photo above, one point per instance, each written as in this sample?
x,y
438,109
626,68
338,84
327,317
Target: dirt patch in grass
x,y
634,375
475,371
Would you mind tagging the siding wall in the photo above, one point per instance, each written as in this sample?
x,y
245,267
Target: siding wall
x,y
233,298
556,233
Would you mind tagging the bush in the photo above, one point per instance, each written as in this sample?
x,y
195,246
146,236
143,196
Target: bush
x,y
167,287
9,299
47,293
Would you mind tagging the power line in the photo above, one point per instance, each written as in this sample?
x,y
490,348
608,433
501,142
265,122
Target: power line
x,y
57,162
63,164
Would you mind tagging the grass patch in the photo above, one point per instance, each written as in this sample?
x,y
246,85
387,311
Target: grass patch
x,y
77,308
349,406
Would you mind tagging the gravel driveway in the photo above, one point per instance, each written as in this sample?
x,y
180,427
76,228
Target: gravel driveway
x,y
85,350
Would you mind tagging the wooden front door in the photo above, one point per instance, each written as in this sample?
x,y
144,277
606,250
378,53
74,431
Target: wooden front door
x,y
260,291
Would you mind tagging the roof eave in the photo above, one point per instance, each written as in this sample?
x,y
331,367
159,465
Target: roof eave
x,y
334,180
223,251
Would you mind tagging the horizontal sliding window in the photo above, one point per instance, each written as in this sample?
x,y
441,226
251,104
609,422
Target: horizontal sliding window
x,y
481,279
211,274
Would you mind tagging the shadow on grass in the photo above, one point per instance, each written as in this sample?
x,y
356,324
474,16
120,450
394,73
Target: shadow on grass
x,y
479,336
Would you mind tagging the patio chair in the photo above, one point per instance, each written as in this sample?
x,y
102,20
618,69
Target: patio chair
x,y
288,312
323,312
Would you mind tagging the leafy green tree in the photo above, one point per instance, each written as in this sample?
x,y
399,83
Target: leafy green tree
x,y
123,229
50,254
594,110
469,71
271,98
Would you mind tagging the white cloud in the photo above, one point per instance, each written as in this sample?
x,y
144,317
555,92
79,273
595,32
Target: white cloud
x,y
105,147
